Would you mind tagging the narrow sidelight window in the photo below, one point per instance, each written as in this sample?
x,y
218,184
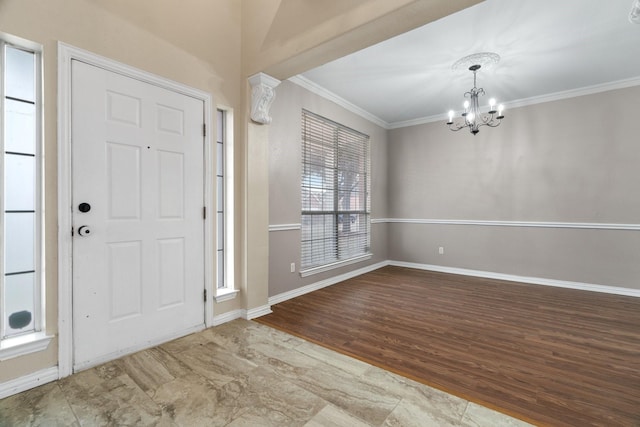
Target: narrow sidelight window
x,y
220,205
20,201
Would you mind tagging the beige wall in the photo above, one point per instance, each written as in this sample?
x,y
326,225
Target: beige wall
x,y
574,160
287,37
285,157
213,46
178,46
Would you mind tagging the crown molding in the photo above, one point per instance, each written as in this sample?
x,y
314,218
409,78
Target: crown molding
x,y
556,96
304,82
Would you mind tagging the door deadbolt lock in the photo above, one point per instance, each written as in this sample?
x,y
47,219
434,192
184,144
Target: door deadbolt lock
x,y
84,231
84,207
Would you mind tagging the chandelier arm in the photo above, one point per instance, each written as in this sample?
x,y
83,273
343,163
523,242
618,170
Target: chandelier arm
x,y
471,116
457,127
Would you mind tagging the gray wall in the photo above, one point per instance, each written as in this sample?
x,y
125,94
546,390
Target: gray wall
x,y
284,183
575,160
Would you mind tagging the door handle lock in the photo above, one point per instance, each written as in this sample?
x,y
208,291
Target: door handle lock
x,y
84,231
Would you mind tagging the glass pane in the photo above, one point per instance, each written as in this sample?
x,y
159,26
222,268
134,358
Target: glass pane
x,y
18,303
20,74
220,129
327,200
19,182
220,194
220,267
20,127
219,159
220,230
19,242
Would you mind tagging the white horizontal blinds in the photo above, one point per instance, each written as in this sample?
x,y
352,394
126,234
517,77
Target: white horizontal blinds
x,y
353,192
335,192
20,193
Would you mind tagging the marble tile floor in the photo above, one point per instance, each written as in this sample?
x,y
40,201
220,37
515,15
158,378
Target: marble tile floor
x,y
241,374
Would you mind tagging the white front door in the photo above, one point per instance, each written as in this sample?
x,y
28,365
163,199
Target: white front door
x,y
138,244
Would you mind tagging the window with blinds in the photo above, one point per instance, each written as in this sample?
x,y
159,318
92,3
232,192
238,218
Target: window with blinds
x,y
335,192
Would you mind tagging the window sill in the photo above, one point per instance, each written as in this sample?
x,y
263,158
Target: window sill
x,y
226,295
25,344
334,265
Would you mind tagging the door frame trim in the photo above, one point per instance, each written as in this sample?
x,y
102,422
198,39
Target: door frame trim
x,y
66,54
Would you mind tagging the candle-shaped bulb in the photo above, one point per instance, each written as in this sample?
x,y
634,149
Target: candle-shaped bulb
x,y
451,116
470,117
500,109
466,105
492,103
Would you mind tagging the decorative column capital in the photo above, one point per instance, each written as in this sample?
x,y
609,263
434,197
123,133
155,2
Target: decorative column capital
x,y
262,96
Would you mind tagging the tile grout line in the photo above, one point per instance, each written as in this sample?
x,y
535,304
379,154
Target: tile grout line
x,y
66,399
466,408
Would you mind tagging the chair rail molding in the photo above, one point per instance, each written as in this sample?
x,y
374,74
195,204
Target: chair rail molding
x,y
492,223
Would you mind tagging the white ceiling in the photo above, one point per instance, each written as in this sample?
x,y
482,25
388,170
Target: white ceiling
x,y
548,47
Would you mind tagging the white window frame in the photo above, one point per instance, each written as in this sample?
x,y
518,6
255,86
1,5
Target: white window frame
x,y
228,291
340,262
37,340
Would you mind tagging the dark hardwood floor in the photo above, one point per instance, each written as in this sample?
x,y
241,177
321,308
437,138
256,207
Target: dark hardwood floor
x,y
549,356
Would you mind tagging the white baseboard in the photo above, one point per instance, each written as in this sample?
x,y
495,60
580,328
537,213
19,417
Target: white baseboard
x,y
257,312
523,279
28,382
241,314
228,317
324,283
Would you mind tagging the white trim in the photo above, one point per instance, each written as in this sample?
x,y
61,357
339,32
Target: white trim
x,y
522,279
225,294
135,348
242,314
66,54
65,248
311,86
14,346
228,317
24,344
209,202
321,269
29,381
556,96
252,313
535,224
284,227
229,202
574,93
421,121
276,299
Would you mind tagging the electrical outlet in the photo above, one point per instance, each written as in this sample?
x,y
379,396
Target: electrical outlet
x,y
441,250
293,267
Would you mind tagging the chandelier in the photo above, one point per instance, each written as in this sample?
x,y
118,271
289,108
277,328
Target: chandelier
x,y
471,117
